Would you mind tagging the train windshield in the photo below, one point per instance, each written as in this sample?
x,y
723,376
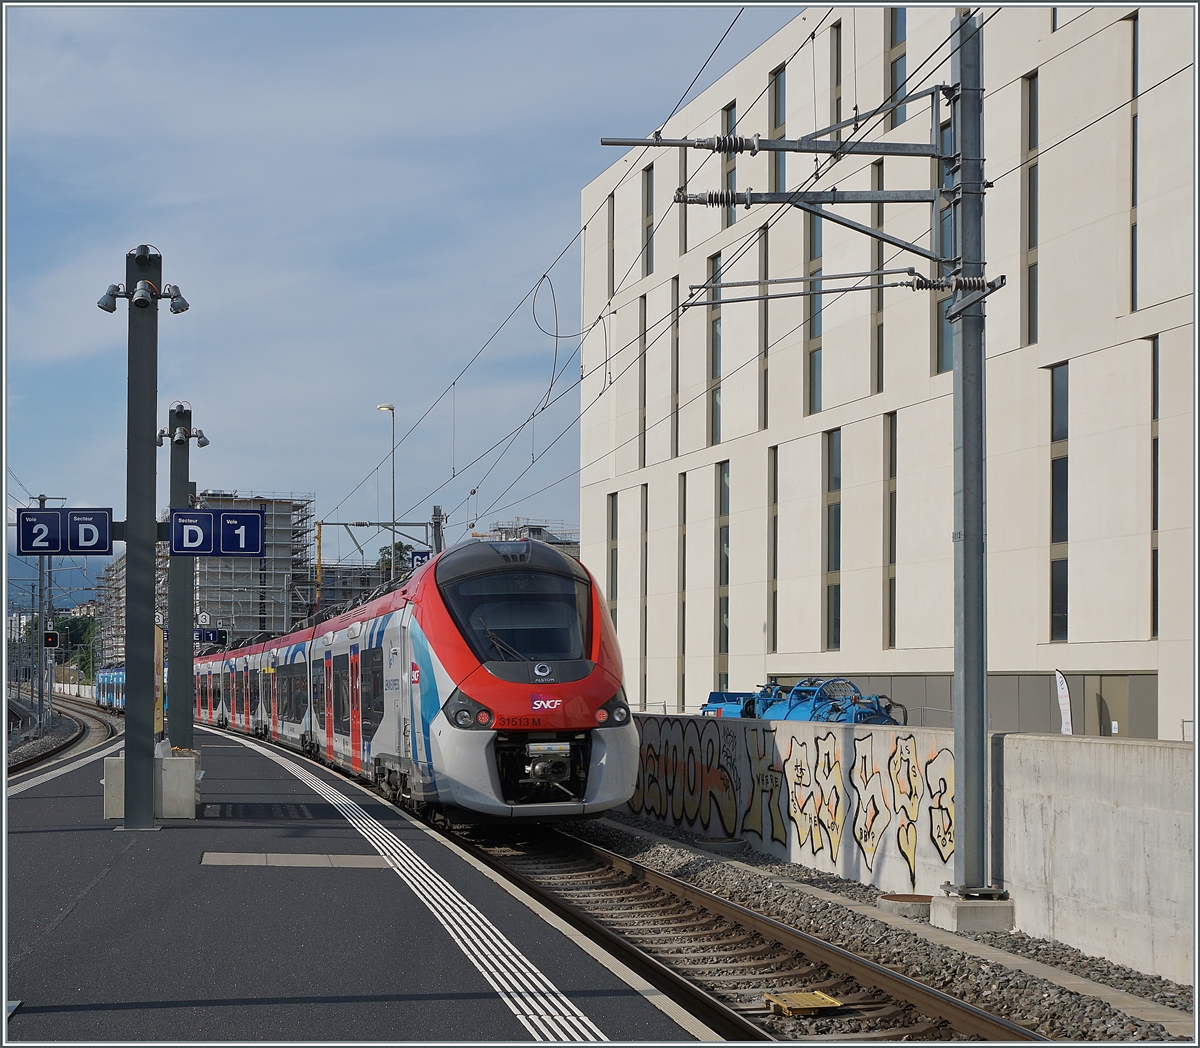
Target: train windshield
x,y
522,616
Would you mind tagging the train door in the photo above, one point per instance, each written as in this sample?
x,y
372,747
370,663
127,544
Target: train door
x,y
196,690
328,705
274,700
405,746
355,710
252,710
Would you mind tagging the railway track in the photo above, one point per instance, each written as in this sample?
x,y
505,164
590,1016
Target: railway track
x,y
747,976
94,728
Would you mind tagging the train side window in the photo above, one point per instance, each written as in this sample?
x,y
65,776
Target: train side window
x,y
372,690
341,694
318,691
225,693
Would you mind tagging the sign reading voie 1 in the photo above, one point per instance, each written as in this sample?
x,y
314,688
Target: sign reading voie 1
x,y
57,531
217,533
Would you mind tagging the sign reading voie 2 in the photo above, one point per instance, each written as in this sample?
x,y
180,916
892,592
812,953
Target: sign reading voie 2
x,y
217,533
57,531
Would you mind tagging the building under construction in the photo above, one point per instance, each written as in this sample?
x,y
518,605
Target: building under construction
x,y
555,532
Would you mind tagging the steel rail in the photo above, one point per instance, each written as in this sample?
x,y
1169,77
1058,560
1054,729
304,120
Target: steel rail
x,y
965,1018
75,715
715,1014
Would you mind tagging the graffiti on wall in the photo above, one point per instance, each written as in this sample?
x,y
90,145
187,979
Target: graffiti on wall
x,y
908,786
872,811
939,776
725,778
682,773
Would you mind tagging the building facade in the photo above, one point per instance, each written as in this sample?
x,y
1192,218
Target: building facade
x,y
766,486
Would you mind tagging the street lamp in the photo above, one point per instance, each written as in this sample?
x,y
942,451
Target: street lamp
x,y
142,284
392,553
181,573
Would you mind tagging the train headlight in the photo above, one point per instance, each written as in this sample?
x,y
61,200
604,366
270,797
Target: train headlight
x,y
464,712
614,712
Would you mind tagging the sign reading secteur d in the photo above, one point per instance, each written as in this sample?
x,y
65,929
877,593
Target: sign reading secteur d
x,y
192,533
216,533
57,531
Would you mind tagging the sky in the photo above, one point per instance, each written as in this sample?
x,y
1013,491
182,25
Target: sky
x,y
353,200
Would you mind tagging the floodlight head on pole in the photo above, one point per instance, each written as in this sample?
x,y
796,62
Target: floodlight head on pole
x,y
201,439
108,301
181,436
386,407
164,432
179,304
141,254
143,296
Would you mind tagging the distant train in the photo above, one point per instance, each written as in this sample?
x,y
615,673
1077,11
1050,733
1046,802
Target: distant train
x,y
110,688
488,682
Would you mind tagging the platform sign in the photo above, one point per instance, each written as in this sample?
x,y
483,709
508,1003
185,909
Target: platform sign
x,y
240,533
193,532
39,532
417,557
89,531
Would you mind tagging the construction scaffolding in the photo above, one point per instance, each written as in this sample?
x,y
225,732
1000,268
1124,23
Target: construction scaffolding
x,y
268,595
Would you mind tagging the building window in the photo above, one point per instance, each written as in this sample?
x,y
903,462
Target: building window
x,y
610,212
1133,170
645,574
641,375
722,663
773,546
729,164
681,570
897,62
763,331
1059,501
943,349
778,111
835,77
889,434
648,221
833,539
877,295
714,352
612,557
1032,209
674,366
1154,484
681,208
813,254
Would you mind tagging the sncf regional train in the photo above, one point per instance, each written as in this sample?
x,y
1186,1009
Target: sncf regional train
x,y
488,682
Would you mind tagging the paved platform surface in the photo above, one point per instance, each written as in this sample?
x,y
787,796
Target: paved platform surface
x,y
296,908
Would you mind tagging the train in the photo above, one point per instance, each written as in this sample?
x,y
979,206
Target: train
x,y
110,688
488,684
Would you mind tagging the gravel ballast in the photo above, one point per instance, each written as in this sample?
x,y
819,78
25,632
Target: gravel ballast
x,y
61,729
1036,1003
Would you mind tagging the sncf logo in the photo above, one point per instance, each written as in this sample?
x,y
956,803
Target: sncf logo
x,y
416,674
544,702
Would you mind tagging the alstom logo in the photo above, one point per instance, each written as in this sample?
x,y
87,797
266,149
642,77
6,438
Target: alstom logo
x,y
544,702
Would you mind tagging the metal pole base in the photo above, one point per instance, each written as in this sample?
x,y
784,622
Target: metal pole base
x,y
964,891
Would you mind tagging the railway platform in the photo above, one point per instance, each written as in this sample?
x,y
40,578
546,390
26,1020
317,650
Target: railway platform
x,y
296,907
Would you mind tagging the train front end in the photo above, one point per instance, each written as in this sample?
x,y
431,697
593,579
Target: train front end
x,y
537,726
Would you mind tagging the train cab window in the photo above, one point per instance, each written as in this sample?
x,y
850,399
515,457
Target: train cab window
x,y
318,691
522,615
371,662
341,694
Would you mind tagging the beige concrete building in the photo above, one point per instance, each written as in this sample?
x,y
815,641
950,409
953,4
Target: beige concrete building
x,y
766,486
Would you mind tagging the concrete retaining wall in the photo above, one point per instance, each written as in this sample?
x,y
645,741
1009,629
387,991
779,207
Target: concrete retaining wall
x,y
1092,837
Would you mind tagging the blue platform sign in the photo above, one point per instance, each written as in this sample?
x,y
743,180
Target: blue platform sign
x,y
417,557
193,532
39,532
240,533
89,531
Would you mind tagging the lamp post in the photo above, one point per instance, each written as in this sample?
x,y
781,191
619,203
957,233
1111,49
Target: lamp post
x,y
143,287
392,552
181,581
